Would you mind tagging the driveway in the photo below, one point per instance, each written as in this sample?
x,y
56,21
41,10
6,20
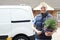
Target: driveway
x,y
56,35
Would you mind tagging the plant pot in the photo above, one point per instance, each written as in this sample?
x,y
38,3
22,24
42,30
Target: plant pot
x,y
49,30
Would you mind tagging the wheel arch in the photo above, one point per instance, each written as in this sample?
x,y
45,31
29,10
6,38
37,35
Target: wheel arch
x,y
21,34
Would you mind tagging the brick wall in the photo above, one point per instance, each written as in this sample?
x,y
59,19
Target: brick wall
x,y
55,15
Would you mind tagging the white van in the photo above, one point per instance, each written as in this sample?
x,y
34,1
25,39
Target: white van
x,y
16,22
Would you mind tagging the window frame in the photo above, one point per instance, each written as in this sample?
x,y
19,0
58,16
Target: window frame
x,y
58,15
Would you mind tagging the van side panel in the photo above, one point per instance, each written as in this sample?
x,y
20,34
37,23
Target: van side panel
x,y
5,22
21,21
16,20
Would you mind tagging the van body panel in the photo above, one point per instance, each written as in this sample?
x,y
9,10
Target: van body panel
x,y
15,20
5,22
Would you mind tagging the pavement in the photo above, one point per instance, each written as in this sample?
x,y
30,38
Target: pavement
x,y
56,35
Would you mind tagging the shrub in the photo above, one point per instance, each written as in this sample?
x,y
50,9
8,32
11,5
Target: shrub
x,y
50,24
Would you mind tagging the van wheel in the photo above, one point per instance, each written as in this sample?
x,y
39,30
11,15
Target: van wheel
x,y
21,37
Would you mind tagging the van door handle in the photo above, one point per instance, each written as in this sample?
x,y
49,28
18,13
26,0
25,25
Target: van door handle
x,y
20,21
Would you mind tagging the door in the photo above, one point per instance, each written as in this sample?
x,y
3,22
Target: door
x,y
5,22
21,21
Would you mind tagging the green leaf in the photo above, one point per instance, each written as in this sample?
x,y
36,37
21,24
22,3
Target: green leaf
x,y
50,23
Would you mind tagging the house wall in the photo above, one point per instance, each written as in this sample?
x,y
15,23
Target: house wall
x,y
54,13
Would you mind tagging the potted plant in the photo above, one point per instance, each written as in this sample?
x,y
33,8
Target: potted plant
x,y
50,25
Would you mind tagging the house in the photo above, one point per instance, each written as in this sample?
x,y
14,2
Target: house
x,y
55,13
34,3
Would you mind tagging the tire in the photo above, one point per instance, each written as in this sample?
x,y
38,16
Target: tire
x,y
21,37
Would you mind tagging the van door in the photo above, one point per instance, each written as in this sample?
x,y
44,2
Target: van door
x,y
5,22
21,20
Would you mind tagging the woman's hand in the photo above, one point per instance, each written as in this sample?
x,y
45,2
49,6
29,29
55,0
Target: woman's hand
x,y
39,32
48,33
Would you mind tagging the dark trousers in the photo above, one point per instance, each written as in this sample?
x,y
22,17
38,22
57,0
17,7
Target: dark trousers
x,y
42,39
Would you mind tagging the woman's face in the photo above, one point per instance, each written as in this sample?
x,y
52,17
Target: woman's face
x,y
43,9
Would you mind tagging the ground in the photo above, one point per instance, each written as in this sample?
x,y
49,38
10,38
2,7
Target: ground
x,y
56,35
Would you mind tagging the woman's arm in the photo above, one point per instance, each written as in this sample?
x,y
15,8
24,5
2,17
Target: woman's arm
x,y
38,32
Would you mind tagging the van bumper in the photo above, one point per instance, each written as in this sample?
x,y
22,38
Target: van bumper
x,y
3,37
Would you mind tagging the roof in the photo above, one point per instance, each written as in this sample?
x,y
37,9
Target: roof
x,y
33,3
43,4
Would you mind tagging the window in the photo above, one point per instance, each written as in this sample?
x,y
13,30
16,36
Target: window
x,y
58,16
